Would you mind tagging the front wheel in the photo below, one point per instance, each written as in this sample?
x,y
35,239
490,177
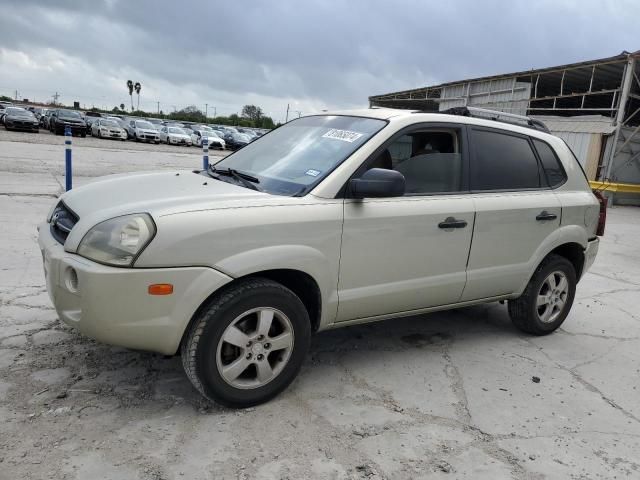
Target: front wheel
x,y
248,344
547,299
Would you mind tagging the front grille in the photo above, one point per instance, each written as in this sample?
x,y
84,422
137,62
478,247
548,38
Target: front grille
x,y
62,221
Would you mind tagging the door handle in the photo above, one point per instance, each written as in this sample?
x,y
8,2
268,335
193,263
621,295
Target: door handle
x,y
544,215
451,222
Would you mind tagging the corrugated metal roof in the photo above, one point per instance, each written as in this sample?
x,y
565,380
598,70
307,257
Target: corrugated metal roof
x,y
578,124
534,71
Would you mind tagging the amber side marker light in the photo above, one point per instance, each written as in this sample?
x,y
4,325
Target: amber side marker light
x,y
161,289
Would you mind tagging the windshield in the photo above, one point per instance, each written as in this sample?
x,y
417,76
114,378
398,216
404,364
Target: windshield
x,y
109,123
68,114
176,130
18,111
143,124
295,157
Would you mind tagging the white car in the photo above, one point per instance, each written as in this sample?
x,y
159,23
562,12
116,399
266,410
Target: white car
x,y
108,128
214,140
143,131
328,221
174,136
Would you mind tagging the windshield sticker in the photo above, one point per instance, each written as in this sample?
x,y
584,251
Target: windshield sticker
x,y
312,173
344,135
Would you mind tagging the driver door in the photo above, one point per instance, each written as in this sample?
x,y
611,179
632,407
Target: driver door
x,y
402,254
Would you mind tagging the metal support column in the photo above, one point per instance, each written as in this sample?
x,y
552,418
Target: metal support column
x,y
624,95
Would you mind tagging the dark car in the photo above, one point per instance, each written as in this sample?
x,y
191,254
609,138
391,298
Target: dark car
x,y
16,118
67,118
236,141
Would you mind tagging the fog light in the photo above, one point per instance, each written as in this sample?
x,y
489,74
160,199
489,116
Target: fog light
x,y
71,279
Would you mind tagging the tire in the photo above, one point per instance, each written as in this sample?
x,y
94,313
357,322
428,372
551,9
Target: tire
x,y
203,350
83,135
543,319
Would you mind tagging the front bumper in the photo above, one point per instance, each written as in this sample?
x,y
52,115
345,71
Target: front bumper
x,y
179,141
20,125
112,305
590,254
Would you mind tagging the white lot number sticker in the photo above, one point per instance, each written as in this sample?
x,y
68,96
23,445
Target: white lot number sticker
x,y
344,135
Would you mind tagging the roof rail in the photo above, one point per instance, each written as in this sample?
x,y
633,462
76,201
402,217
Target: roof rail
x,y
497,116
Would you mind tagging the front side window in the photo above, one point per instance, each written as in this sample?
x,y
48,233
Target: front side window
x,y
295,157
430,161
502,161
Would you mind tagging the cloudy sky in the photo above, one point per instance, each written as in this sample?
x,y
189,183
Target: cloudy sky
x,y
312,54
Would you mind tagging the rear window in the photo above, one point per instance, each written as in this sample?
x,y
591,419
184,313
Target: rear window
x,y
502,162
552,166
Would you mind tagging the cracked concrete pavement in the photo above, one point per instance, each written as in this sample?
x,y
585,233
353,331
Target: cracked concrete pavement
x,y
446,395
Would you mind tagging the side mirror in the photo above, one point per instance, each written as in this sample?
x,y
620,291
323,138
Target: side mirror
x,y
377,183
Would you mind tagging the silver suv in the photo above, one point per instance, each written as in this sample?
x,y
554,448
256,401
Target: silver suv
x,y
328,221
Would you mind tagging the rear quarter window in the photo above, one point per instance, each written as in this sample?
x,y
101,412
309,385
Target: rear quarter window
x,y
556,175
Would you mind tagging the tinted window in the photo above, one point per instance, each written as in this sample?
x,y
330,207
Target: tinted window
x,y
429,160
552,167
502,162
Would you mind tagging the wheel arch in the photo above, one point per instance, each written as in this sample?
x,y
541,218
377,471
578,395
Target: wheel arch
x,y
300,283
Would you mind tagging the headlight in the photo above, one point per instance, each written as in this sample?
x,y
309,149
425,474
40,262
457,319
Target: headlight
x,y
118,241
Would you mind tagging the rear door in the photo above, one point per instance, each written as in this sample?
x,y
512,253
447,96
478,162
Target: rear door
x,y
516,211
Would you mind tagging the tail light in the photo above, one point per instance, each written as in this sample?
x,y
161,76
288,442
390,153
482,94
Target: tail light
x,y
602,218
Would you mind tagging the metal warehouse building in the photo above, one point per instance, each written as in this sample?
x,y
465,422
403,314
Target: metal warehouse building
x,y
594,106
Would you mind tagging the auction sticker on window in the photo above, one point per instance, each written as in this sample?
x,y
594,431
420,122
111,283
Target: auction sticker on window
x,y
344,135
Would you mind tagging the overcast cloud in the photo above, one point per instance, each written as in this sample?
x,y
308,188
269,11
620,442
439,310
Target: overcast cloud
x,y
314,54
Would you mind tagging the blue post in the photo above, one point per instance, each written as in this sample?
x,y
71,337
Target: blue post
x,y
67,157
205,153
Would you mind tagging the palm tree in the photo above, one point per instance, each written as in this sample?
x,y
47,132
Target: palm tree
x,y
130,87
138,87
122,107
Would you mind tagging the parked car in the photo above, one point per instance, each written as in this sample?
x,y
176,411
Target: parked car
x,y
236,141
61,118
143,131
214,140
44,119
16,118
328,221
108,128
174,136
91,117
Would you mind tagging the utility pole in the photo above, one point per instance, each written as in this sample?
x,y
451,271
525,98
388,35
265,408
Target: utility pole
x,y
214,112
55,98
158,107
286,119
206,109
16,95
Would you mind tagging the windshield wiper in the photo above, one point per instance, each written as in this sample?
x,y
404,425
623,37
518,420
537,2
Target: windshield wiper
x,y
247,180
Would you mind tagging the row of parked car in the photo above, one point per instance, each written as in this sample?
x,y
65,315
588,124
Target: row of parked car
x,y
123,128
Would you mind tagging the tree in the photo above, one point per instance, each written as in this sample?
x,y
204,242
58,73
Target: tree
x,y
130,87
4,98
138,87
122,107
189,114
252,112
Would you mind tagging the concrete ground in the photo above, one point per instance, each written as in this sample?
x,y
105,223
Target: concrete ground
x,y
458,394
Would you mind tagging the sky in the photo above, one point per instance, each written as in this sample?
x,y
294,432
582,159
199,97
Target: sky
x,y
312,55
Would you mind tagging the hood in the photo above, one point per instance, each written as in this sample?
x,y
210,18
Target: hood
x,y
156,193
180,135
146,130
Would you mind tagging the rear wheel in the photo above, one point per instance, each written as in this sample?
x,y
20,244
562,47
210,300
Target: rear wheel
x,y
248,344
547,299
